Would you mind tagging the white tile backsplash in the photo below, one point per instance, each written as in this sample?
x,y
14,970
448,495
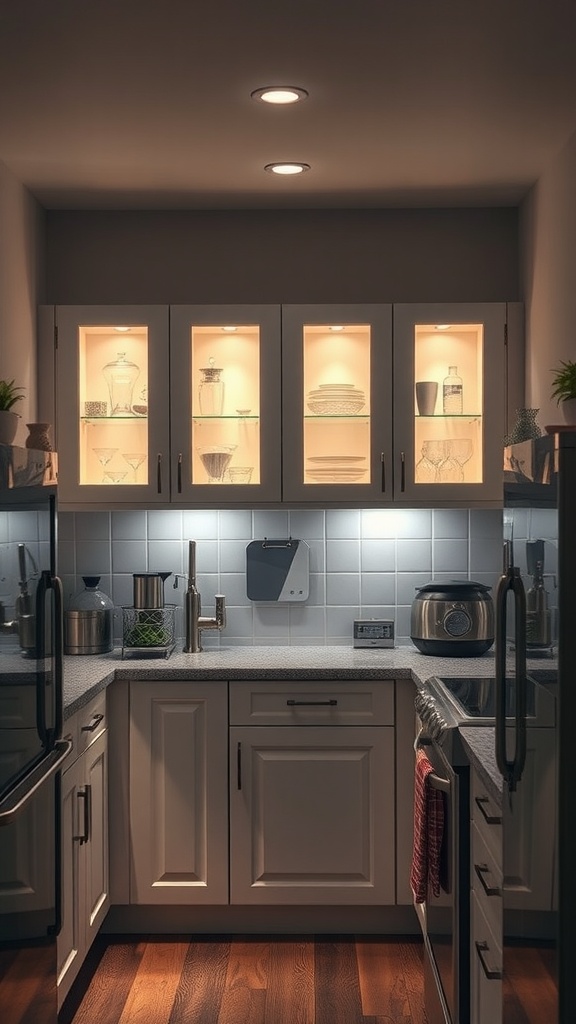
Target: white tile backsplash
x,y
362,562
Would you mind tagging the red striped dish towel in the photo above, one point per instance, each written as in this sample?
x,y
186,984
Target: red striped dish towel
x,y
428,831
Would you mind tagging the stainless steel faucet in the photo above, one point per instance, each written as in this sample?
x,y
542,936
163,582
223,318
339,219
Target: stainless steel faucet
x,y
195,621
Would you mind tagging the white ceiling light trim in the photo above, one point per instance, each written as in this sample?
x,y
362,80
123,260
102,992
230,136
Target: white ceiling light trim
x,y
279,95
287,167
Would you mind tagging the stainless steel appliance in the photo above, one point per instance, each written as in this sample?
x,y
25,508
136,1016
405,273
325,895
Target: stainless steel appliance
x,y
32,750
453,618
445,706
539,505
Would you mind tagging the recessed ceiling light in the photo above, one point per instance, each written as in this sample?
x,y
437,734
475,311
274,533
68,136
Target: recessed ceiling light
x,y
279,94
443,327
230,328
291,167
336,327
122,330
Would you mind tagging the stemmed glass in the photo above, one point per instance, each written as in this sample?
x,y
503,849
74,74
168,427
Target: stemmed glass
x,y
115,476
433,458
459,452
104,455
134,459
216,459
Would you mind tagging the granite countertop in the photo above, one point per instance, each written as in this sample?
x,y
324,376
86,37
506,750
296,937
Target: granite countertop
x,y
86,675
479,747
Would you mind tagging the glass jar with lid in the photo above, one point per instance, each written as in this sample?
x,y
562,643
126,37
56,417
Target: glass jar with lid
x,y
211,390
121,375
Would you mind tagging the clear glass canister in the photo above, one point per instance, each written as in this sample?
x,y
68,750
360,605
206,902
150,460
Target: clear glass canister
x,y
211,390
121,375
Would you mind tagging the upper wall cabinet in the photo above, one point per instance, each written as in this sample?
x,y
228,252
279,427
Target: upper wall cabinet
x,y
156,404
337,403
236,405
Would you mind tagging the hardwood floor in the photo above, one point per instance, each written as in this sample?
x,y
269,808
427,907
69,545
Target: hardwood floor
x,y
328,979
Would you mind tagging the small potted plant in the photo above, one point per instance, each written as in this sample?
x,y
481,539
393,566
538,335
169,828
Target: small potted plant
x,y
10,393
564,385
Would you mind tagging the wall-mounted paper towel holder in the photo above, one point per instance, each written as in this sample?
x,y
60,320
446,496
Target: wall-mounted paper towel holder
x,y
277,570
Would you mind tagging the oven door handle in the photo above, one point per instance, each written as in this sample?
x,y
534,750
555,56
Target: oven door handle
x,y
444,785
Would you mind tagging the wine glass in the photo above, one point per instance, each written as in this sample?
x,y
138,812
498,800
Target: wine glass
x,y
134,459
433,457
460,451
104,455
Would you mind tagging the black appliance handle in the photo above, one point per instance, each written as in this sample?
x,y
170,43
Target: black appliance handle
x,y
19,796
46,583
511,769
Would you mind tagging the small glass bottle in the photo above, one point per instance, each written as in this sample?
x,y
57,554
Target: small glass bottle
x,y
452,393
211,390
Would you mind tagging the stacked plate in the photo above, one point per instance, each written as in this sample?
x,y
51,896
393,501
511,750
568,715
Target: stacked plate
x,y
330,469
336,400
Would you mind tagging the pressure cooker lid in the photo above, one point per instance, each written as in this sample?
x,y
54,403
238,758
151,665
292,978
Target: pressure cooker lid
x,y
460,588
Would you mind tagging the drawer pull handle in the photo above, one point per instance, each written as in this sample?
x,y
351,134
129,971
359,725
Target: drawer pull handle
x,y
490,819
483,872
93,724
86,796
312,703
239,766
491,973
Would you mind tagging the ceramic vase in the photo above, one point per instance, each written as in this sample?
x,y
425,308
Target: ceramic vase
x,y
568,407
38,437
426,394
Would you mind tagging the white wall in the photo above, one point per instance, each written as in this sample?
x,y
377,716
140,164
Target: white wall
x,y
548,221
21,273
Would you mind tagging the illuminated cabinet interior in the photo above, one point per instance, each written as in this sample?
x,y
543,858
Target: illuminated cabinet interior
x,y
336,402
448,403
225,389
113,405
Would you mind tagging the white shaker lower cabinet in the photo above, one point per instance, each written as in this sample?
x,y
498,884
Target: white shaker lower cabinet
x,y
178,793
85,870
312,799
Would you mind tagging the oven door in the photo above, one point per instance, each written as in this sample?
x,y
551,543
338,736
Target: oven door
x,y
445,920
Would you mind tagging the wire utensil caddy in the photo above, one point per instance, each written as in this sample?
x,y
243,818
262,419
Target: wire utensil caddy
x,y
149,631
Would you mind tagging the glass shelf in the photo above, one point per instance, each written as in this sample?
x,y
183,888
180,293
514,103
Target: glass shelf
x,y
351,416
113,419
451,416
198,419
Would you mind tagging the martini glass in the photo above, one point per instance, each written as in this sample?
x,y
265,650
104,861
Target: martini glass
x,y
115,476
104,455
134,459
216,459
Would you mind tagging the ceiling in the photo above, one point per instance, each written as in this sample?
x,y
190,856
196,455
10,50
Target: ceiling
x,y
145,104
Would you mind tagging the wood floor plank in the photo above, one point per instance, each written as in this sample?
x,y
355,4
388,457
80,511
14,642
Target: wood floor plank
x,y
244,996
151,996
532,984
336,982
382,980
23,982
202,984
110,986
290,993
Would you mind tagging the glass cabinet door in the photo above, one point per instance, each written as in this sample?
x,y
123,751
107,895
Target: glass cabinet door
x,y
111,402
450,363
225,403
337,402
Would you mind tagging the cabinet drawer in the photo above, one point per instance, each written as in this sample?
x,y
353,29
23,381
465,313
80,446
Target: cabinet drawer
x,y
487,816
487,880
485,969
87,724
289,702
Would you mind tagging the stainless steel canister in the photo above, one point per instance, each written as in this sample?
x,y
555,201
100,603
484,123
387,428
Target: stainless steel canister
x,y
88,632
149,589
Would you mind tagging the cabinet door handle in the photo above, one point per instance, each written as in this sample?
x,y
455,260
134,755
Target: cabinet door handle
x,y
483,872
490,819
159,473
179,472
312,703
383,466
402,471
239,766
93,724
86,796
491,972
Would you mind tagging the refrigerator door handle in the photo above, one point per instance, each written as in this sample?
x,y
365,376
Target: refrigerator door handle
x,y
49,733
15,801
511,768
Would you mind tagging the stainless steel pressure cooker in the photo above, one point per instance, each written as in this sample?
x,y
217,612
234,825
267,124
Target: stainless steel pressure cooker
x,y
453,618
